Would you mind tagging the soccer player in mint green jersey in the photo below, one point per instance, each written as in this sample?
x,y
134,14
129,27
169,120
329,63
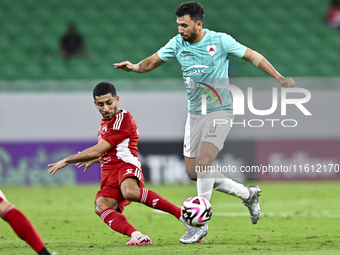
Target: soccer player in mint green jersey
x,y
204,59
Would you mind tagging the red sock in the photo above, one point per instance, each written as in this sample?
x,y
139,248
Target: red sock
x,y
23,228
153,200
117,221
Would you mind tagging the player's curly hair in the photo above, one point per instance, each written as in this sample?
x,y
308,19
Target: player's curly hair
x,y
194,9
104,88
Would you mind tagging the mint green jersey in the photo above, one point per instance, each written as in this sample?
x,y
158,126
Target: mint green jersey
x,y
205,64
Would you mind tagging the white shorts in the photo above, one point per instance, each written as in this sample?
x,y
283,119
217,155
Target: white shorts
x,y
213,128
2,196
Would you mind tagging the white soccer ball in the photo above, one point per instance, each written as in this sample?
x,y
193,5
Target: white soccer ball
x,y
196,211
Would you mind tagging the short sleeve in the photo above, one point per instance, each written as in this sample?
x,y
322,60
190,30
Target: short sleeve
x,y
168,51
118,131
115,137
233,47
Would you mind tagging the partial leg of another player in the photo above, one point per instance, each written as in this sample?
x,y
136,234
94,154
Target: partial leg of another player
x,y
132,192
21,226
249,195
197,167
207,181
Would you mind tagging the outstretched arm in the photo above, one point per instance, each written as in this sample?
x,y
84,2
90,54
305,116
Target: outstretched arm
x,y
262,63
91,153
144,66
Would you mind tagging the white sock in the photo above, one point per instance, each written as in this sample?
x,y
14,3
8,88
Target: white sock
x,y
136,233
226,185
205,184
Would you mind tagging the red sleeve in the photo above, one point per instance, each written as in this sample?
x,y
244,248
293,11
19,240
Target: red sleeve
x,y
118,133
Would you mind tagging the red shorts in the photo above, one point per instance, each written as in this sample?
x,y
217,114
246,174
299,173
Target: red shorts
x,y
111,180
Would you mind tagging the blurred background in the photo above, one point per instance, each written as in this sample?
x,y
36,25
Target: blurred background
x,y
46,108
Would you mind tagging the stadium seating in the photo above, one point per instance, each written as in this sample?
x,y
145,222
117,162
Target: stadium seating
x,y
291,34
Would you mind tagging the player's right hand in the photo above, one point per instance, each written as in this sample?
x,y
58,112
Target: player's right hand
x,y
54,167
125,65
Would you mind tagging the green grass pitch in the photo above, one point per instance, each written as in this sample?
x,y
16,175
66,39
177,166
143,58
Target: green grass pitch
x,y
297,218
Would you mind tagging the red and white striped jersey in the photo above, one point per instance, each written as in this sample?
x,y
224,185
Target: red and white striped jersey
x,y
121,132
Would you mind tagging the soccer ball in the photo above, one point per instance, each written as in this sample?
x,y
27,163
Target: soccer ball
x,y
196,211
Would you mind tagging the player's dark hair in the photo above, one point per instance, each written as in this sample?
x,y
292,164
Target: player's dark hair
x,y
194,9
104,88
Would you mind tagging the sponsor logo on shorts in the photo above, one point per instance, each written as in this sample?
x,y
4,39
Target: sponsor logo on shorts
x,y
212,128
208,135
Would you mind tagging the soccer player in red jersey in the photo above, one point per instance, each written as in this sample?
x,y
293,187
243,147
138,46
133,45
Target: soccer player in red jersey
x,y
21,225
122,179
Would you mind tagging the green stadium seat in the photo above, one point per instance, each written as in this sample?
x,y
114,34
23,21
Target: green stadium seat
x,y
90,15
63,16
57,29
4,44
44,16
289,33
20,15
8,72
78,68
104,4
7,4
57,68
49,44
32,71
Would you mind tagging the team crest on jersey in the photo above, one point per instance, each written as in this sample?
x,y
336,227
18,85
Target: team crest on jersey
x,y
104,130
211,49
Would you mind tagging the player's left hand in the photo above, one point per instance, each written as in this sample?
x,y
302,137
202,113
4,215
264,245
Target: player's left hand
x,y
56,166
85,164
286,82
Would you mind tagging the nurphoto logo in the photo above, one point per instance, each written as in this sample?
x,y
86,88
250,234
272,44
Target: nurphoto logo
x,y
239,105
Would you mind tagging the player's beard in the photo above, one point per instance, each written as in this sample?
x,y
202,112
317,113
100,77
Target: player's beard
x,y
192,37
114,112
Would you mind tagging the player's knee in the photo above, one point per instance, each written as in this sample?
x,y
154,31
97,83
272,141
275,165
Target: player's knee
x,y
202,162
131,193
192,176
100,208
